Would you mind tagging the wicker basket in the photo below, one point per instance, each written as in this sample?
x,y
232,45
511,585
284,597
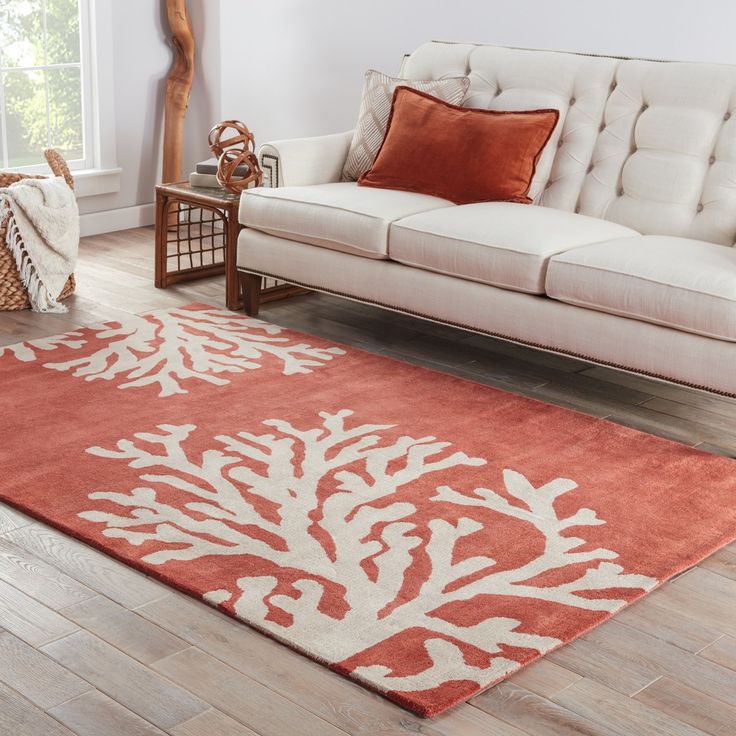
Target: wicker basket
x,y
13,294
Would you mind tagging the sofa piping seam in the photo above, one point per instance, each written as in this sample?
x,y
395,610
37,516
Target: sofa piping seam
x,y
507,249
467,277
280,232
254,193
639,318
640,278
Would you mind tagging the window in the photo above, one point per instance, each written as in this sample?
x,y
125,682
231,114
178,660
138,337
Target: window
x,y
45,87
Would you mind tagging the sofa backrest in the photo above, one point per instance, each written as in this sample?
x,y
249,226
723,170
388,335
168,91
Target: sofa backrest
x,y
648,144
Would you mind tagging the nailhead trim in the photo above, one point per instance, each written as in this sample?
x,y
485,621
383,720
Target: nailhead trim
x,y
272,166
500,335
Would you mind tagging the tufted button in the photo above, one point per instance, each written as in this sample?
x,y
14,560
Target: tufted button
x,y
712,160
572,101
613,86
601,127
644,106
577,209
620,192
700,207
727,116
559,143
590,167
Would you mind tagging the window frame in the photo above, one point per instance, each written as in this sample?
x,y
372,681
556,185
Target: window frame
x,y
97,173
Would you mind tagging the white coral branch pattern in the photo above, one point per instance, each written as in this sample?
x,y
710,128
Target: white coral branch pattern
x,y
28,351
327,506
166,349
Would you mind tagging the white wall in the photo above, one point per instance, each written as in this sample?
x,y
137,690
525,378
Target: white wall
x,y
140,60
294,67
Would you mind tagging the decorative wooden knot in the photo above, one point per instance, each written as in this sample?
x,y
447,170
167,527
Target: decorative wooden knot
x,y
233,151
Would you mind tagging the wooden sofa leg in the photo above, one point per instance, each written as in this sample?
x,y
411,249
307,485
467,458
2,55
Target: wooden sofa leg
x,y
250,287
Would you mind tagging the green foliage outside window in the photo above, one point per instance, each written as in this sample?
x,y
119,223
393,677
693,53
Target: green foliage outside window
x,y
42,106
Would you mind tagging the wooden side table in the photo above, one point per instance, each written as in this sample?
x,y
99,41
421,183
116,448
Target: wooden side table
x,y
197,236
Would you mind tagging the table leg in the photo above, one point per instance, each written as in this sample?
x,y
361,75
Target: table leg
x,y
161,244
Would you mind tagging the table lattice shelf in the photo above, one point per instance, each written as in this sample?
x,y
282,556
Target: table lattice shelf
x,y
196,237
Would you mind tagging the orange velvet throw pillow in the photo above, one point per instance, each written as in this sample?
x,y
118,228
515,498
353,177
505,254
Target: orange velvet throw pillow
x,y
459,153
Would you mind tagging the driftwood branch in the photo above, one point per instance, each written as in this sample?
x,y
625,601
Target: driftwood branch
x,y
178,86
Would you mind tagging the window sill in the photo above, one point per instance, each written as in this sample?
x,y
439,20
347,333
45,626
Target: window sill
x,y
92,182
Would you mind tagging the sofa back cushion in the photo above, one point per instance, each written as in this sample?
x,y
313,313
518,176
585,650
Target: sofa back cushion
x,y
665,163
648,144
515,79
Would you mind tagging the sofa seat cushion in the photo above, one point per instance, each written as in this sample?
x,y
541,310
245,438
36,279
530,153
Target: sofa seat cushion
x,y
500,243
676,282
339,216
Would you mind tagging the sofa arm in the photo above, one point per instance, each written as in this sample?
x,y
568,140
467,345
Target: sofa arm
x,y
305,161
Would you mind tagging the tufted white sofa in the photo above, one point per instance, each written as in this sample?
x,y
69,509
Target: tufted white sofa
x,y
625,259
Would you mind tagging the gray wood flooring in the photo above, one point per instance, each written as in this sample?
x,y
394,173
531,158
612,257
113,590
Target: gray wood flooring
x,y
93,648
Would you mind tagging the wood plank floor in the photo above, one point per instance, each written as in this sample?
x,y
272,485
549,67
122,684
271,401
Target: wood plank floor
x,y
93,648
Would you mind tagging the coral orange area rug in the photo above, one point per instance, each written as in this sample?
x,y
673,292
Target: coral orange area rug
x,y
418,533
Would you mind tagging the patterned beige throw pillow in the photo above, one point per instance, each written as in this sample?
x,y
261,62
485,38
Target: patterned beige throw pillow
x,y
375,107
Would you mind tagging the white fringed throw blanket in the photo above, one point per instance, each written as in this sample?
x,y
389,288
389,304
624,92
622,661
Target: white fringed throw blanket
x,y
43,236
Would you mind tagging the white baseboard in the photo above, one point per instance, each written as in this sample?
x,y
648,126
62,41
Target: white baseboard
x,y
109,221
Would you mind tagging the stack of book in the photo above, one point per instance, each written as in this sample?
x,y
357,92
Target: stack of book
x,y
204,174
